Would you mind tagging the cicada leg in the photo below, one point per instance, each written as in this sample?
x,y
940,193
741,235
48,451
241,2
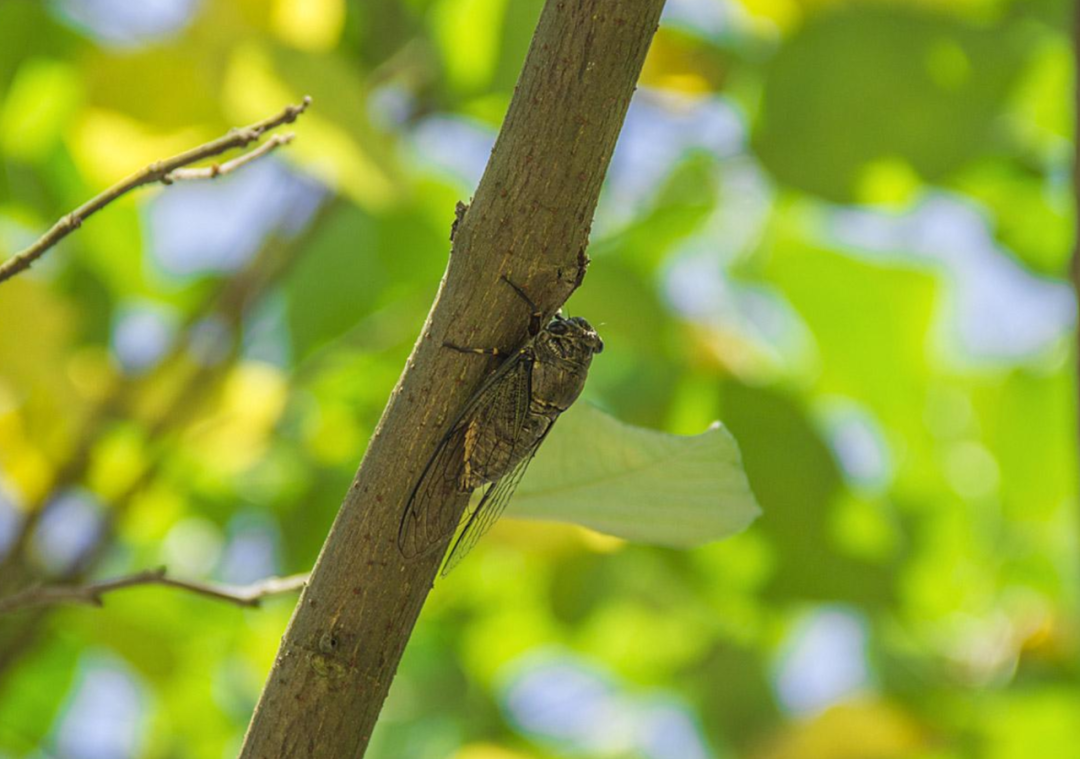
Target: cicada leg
x,y
480,351
536,316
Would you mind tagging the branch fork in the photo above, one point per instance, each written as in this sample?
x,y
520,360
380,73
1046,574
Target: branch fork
x,y
92,594
166,171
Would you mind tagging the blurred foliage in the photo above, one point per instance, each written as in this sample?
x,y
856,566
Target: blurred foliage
x,y
842,228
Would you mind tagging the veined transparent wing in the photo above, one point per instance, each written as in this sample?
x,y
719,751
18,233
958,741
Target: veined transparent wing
x,y
491,506
500,403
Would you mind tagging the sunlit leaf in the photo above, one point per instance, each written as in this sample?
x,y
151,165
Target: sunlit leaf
x,y
684,63
468,33
638,484
252,400
1039,721
309,24
40,684
867,730
865,84
108,146
331,146
37,107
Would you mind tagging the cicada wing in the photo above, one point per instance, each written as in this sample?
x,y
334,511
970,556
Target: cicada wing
x,y
423,525
491,506
501,404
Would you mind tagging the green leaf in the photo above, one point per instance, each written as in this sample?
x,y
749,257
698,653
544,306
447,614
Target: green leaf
x,y
870,85
339,280
35,688
468,31
38,107
638,484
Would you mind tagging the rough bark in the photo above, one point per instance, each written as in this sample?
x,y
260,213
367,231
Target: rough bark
x,y
529,220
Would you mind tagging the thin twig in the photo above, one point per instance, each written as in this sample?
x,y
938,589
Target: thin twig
x,y
166,172
215,170
92,594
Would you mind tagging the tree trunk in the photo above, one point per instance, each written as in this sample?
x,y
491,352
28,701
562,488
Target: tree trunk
x,y
530,221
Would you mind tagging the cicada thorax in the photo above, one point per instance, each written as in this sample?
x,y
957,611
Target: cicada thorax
x,y
556,384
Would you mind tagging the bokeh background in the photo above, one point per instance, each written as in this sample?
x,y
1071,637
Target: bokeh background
x,y
840,227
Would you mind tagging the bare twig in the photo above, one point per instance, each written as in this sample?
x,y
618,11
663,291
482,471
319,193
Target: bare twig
x,y
92,594
215,170
166,171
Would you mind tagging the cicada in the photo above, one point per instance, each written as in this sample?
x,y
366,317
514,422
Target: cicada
x,y
492,441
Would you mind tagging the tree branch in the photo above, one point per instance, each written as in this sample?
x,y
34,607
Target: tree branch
x,y
215,170
529,220
166,171
92,594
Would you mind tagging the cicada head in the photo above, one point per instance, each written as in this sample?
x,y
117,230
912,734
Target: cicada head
x,y
573,339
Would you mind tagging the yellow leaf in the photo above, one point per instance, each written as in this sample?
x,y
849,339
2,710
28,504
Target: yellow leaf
x,y
91,372
253,90
682,63
108,146
313,25
773,16
252,400
26,471
856,730
40,403
117,461
488,751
